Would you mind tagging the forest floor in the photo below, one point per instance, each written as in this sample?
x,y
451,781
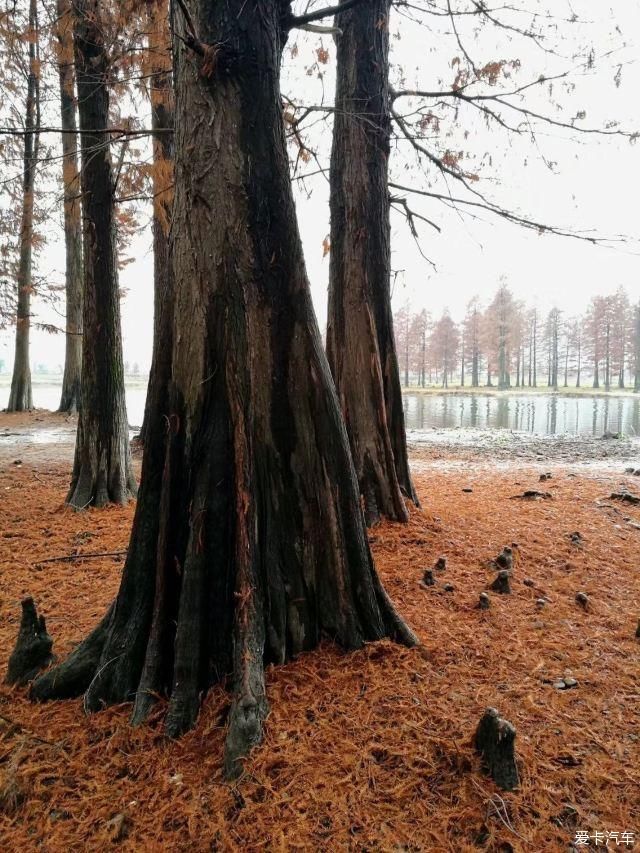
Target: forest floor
x,y
369,751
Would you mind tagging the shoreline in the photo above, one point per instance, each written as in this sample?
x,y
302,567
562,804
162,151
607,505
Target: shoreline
x,y
43,437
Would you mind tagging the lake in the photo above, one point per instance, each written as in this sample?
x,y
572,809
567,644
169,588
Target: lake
x,y
541,414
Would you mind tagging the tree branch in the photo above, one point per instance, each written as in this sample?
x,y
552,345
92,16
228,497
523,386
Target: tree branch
x,y
292,21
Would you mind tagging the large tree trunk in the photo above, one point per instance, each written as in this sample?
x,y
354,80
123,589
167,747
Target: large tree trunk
x,y
248,543
71,388
360,342
158,69
20,396
102,471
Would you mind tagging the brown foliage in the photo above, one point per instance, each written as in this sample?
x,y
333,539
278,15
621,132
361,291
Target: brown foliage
x,y
370,750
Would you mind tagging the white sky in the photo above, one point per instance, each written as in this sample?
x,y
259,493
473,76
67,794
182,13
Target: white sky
x,y
594,182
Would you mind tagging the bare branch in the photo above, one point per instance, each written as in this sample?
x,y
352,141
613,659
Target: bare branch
x,y
292,21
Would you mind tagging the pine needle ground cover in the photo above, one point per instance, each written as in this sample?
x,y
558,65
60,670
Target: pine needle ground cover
x,y
367,751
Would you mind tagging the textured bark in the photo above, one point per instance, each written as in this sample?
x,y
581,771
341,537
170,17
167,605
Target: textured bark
x,y
494,740
248,543
20,396
71,387
360,342
158,69
32,651
102,471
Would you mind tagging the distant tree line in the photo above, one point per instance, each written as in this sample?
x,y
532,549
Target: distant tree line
x,y
509,344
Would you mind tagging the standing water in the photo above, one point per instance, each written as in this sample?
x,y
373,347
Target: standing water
x,y
540,414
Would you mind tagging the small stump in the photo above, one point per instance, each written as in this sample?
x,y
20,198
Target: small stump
x,y
428,578
494,740
501,583
484,602
32,651
440,564
582,599
504,560
638,630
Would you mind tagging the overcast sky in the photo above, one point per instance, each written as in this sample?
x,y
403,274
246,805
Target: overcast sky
x,y
580,182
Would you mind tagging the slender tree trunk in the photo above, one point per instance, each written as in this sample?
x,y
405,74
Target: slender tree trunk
x,y
607,358
158,69
475,366
502,356
555,355
71,388
622,360
20,397
360,342
535,351
102,469
248,543
636,348
579,362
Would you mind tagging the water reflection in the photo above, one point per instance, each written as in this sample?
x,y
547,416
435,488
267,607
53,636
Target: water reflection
x,y
541,414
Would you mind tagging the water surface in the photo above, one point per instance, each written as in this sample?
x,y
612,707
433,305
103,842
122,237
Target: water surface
x,y
540,414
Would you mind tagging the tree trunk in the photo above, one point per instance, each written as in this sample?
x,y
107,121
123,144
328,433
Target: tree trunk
x,y
636,348
248,544
607,358
158,68
475,367
71,387
102,469
360,343
535,350
20,396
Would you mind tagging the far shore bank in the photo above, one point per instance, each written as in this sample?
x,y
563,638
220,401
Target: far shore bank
x,y
540,390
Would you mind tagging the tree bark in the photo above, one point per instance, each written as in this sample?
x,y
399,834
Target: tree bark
x,y
102,471
71,380
360,342
248,543
20,396
158,68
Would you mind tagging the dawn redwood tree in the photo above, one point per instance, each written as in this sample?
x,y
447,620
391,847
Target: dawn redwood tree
x,y
248,543
102,471
472,331
360,341
70,396
553,335
444,345
20,396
